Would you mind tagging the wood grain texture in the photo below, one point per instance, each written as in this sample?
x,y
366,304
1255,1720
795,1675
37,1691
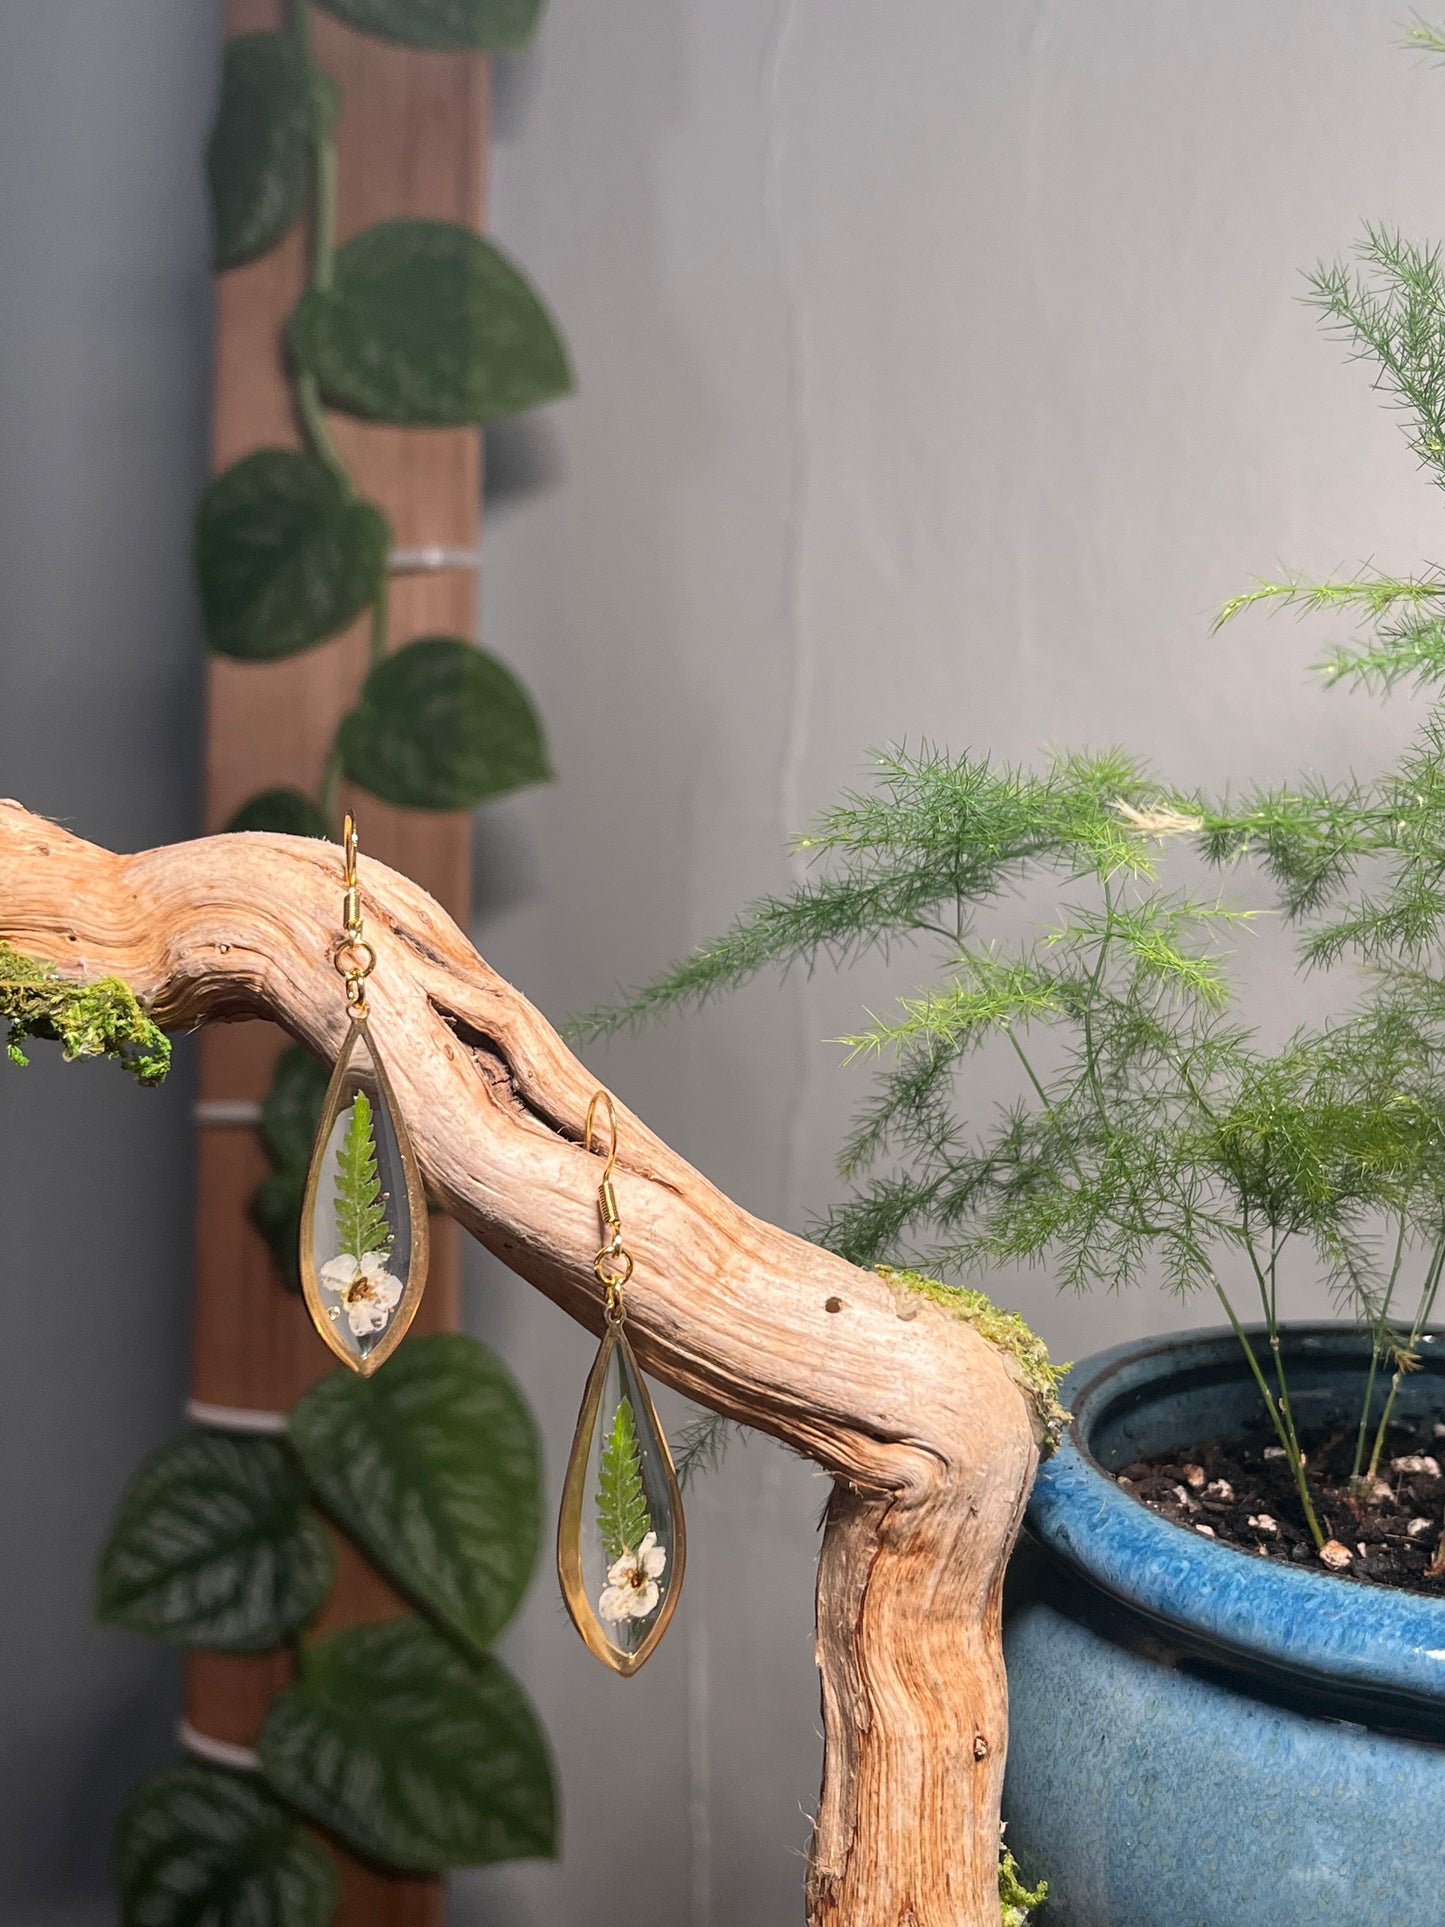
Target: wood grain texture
x,y
921,1423
411,141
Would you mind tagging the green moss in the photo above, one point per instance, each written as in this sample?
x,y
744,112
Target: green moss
x,y
101,1019
1017,1900
1024,1351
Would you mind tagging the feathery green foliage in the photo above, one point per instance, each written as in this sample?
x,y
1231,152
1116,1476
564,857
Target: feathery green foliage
x,y
361,1223
101,1019
1149,1131
622,1514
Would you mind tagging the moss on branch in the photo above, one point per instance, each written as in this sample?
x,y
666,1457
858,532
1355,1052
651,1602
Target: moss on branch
x,y
100,1019
1025,1352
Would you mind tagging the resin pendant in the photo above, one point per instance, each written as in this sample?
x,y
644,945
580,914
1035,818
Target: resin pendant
x,y
621,1544
363,1216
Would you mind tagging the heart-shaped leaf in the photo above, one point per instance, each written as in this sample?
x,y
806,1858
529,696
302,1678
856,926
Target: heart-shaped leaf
x,y
433,1467
260,145
410,1752
285,554
200,1847
428,325
457,26
215,1546
442,725
287,812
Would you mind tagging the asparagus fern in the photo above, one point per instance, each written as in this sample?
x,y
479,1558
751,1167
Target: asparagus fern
x,y
1150,1129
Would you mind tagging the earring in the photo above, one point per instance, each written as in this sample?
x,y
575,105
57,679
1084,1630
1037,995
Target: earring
x,y
621,1541
363,1214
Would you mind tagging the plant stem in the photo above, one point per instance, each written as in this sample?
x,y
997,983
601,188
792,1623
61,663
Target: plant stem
x,y
1375,1355
1049,1111
323,262
1422,1318
376,640
1279,1408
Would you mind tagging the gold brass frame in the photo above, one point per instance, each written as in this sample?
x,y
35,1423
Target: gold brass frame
x,y
569,1519
416,1206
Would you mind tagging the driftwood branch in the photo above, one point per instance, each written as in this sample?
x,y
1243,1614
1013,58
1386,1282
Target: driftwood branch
x,y
920,1421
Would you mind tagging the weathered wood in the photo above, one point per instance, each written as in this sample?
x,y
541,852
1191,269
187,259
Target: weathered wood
x,y
919,1420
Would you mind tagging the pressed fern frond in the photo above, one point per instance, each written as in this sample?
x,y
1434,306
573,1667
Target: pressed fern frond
x,y
361,1222
622,1515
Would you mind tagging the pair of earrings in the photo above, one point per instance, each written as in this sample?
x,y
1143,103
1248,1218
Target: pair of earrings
x,y
621,1539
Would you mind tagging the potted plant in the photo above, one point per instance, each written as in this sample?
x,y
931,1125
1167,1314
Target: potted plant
x,y
1214,1719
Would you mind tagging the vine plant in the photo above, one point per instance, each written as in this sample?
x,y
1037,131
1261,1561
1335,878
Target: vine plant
x,y
406,1741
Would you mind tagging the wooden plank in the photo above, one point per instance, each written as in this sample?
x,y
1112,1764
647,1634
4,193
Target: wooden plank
x,y
411,141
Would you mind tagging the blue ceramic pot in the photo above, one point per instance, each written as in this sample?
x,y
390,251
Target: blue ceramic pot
x,y
1200,1737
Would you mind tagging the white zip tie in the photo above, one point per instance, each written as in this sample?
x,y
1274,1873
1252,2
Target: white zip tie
x,y
234,1418
226,1110
433,556
244,1759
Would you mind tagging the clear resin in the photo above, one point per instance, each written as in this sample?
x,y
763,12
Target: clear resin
x,y
363,1221
620,1545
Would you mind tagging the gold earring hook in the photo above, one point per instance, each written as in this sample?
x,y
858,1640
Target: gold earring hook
x,y
353,957
602,1097
351,843
613,1263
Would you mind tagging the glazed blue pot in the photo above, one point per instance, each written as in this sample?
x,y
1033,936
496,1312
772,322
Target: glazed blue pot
x,y
1200,1737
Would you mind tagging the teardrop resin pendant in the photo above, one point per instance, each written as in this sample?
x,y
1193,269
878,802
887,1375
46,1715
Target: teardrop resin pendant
x,y
621,1543
363,1216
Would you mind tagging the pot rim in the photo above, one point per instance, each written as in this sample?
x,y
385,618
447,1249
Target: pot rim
x,y
1280,1617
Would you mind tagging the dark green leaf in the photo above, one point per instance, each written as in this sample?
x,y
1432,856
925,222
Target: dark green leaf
x,y
290,1112
200,1847
260,145
433,1467
458,26
285,556
442,725
411,1753
428,325
291,1108
215,1546
286,812
275,1211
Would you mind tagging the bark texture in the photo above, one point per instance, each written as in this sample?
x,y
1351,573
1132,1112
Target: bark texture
x,y
920,1421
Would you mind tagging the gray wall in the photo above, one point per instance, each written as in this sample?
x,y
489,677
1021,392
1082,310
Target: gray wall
x,y
104,351
941,368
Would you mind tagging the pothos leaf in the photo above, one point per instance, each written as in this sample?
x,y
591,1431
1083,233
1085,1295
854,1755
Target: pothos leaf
x,y
361,1225
412,1753
285,555
215,1546
428,325
455,26
275,1212
622,1515
257,157
290,1112
291,1108
200,1847
442,725
433,1467
285,811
